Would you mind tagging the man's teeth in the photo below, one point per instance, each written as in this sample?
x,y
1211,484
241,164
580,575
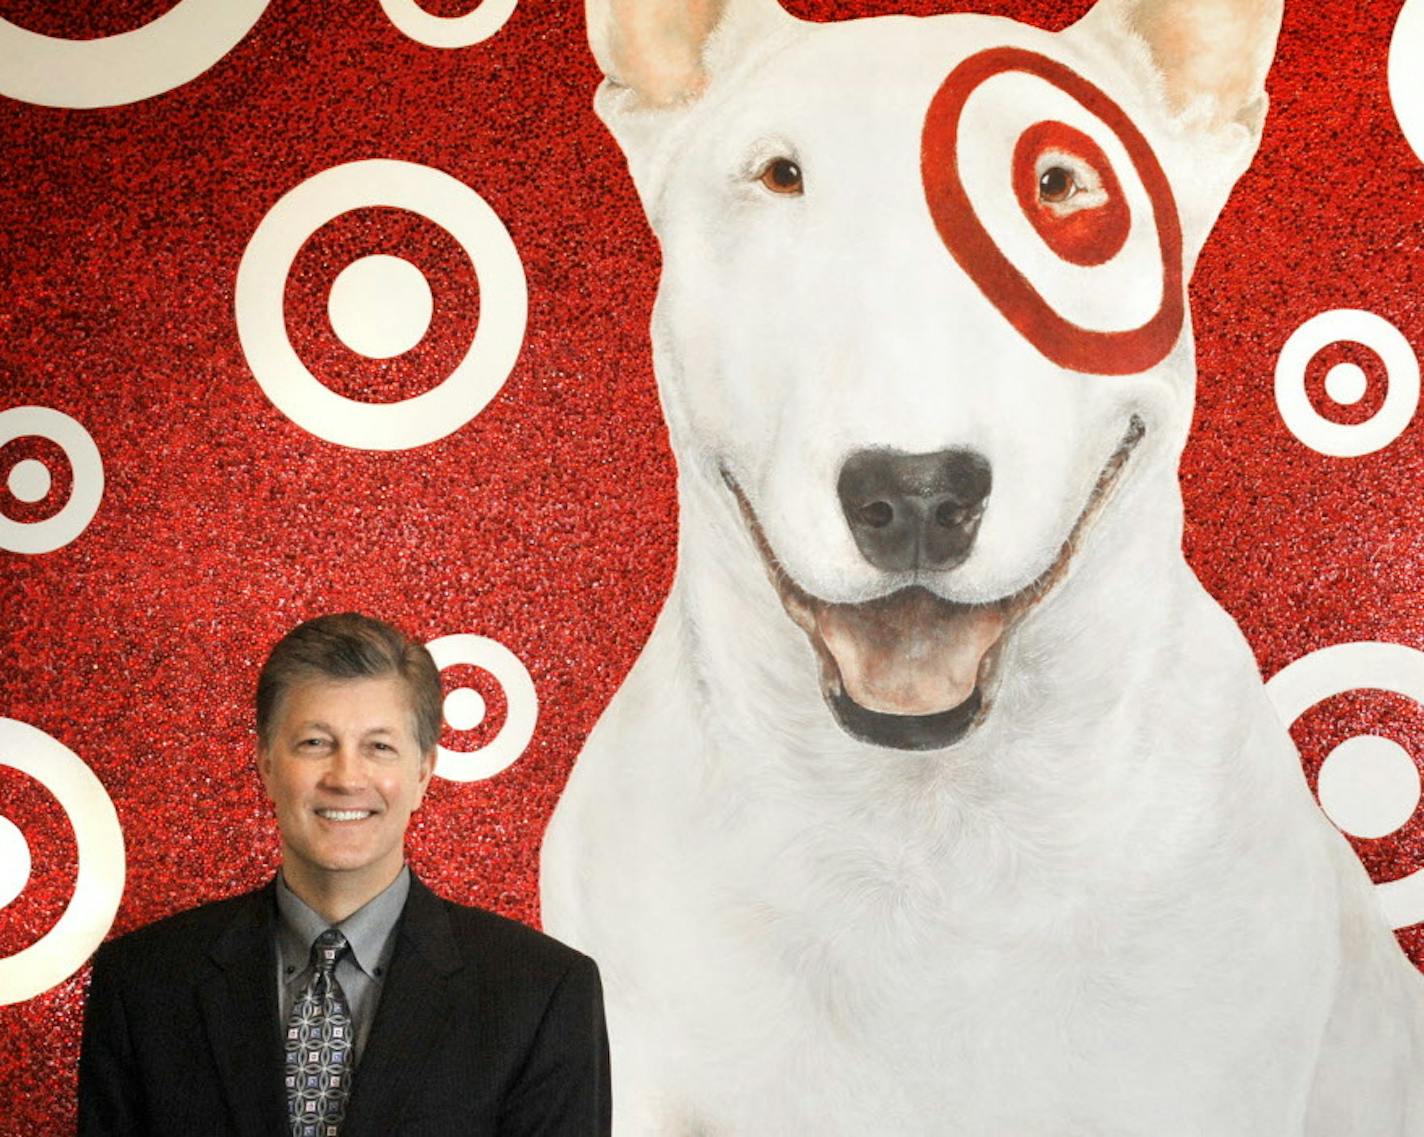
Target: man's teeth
x,y
344,814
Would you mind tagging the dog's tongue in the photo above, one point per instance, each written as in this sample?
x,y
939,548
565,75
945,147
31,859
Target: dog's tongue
x,y
911,654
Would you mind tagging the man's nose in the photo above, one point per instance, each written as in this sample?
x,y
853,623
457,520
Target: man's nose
x,y
344,767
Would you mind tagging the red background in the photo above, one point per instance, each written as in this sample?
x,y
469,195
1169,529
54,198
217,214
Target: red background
x,y
548,522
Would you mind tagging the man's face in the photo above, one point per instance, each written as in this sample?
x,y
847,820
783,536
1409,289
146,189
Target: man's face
x,y
345,773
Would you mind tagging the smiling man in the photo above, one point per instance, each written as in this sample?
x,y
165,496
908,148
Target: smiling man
x,y
344,998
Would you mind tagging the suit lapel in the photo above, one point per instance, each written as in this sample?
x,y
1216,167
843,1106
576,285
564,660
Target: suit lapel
x,y
410,1018
239,1004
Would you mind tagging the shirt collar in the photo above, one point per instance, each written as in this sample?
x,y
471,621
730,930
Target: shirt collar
x,y
370,930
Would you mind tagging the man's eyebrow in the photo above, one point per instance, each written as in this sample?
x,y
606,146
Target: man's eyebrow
x,y
318,724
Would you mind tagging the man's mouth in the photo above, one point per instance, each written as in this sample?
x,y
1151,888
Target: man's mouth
x,y
344,814
913,671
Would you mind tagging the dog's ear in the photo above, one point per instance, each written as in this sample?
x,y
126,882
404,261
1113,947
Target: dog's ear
x,y
1206,61
657,53
1211,56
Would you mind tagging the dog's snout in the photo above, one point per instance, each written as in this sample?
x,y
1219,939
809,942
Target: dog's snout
x,y
909,511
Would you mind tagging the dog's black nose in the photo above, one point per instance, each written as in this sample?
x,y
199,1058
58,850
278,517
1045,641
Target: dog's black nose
x,y
909,511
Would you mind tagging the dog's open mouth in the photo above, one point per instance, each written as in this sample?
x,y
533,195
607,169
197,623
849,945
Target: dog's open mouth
x,y
911,670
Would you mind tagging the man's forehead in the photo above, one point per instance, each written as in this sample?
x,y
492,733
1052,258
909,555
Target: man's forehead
x,y
368,703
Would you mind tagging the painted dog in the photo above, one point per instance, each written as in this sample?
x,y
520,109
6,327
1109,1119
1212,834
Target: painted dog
x,y
944,800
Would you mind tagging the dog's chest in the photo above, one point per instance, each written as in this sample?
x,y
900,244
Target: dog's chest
x,y
894,1008
982,1050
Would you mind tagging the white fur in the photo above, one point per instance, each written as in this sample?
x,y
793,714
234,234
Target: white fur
x,y
1112,908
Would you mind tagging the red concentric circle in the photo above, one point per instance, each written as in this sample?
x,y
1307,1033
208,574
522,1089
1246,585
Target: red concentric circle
x,y
1090,236
1063,342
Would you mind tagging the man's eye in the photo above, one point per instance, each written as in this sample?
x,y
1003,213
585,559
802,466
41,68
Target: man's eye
x,y
782,176
1056,185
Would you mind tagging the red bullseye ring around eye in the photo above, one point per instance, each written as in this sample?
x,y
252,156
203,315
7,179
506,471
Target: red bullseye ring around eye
x,y
969,242
1083,237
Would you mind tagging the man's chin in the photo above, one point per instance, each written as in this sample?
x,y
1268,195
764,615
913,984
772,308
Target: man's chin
x,y
341,864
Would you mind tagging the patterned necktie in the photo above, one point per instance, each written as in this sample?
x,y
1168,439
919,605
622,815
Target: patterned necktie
x,y
319,1039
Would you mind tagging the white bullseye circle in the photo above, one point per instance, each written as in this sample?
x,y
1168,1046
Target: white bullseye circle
x,y
450,404
1401,400
14,861
99,881
1348,667
165,53
88,490
1369,786
522,700
1346,383
464,709
380,306
449,31
29,480
1406,74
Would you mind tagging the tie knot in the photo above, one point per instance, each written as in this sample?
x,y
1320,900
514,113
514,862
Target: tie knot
x,y
327,949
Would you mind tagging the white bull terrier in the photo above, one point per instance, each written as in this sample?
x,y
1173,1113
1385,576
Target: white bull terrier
x,y
943,799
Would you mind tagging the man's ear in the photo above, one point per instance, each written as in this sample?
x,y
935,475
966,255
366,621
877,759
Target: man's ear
x,y
263,761
427,769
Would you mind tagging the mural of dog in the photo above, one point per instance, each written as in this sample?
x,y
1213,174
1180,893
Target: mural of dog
x,y
943,799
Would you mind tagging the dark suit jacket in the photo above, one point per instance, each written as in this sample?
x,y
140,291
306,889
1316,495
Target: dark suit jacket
x,y
484,1026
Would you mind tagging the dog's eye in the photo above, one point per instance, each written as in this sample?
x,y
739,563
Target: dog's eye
x,y
1064,187
782,176
1068,191
1056,184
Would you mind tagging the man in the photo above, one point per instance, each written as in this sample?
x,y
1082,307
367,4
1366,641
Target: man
x,y
344,999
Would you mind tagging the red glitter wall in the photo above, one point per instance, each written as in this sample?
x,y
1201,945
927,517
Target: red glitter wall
x,y
164,521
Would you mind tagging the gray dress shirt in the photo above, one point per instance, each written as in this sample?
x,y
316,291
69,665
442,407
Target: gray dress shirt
x,y
370,931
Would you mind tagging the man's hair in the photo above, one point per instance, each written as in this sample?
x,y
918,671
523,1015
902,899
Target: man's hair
x,y
348,645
